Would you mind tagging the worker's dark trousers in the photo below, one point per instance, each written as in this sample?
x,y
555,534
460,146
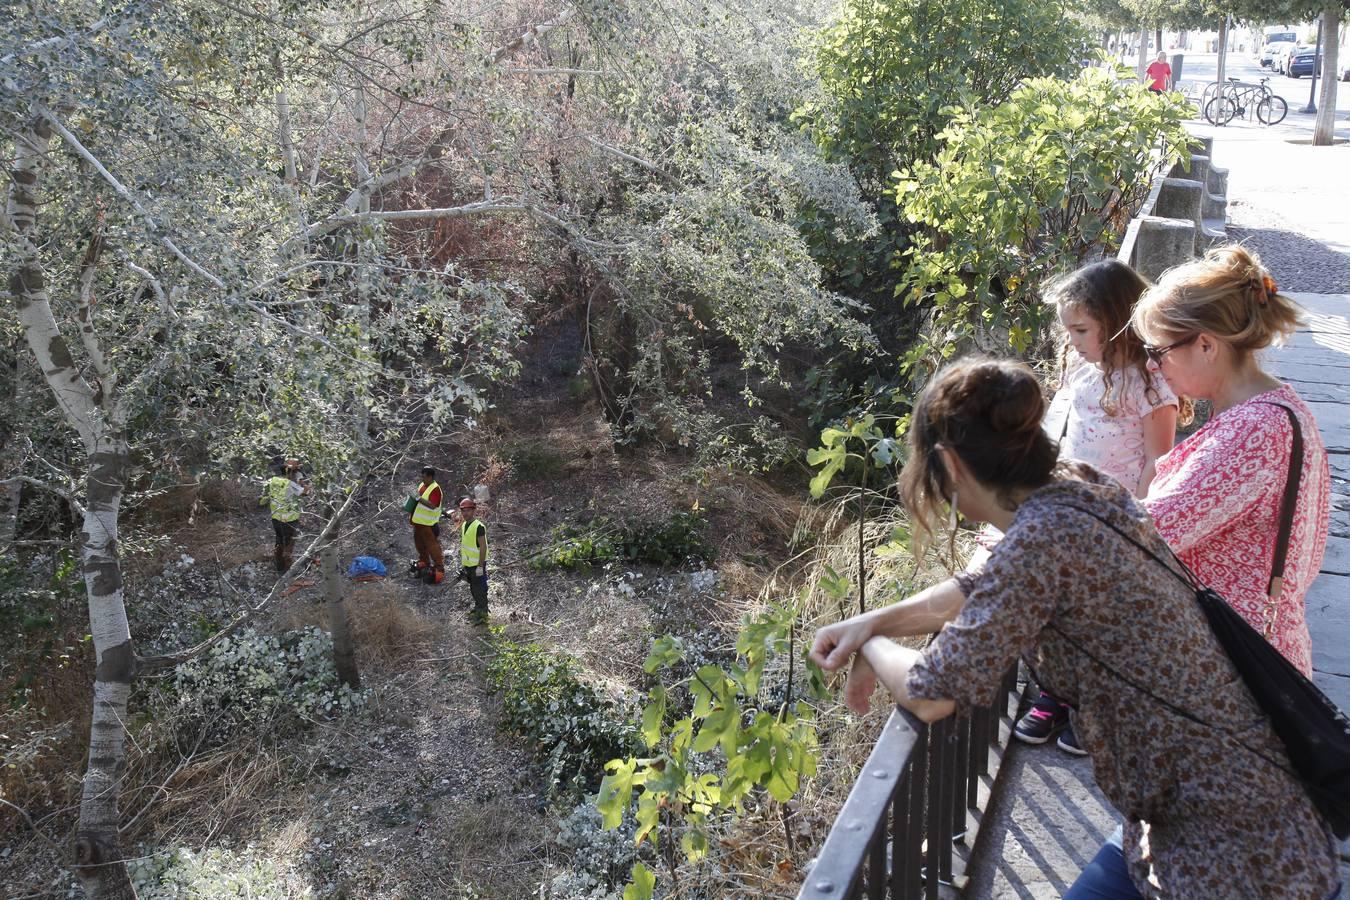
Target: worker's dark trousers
x,y
284,553
477,589
428,546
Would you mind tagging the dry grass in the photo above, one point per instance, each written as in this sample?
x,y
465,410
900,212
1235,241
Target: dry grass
x,y
384,626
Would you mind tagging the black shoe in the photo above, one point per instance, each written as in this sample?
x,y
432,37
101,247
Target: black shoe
x,y
1068,742
1041,722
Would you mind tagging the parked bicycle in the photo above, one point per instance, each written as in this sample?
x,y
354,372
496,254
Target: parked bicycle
x,y
1236,97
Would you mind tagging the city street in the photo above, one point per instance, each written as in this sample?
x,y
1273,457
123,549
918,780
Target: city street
x,y
1198,69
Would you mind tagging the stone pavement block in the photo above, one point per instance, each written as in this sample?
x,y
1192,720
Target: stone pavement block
x,y
1337,558
1046,824
1328,612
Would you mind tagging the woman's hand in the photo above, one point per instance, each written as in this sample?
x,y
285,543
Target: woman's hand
x,y
834,644
862,683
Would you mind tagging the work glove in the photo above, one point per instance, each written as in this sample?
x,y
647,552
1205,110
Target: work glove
x,y
478,571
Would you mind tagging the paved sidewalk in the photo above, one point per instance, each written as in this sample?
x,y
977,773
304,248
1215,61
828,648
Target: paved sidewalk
x,y
1289,203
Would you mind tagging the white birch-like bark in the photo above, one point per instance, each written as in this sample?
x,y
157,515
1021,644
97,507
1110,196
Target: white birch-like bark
x,y
97,845
1324,128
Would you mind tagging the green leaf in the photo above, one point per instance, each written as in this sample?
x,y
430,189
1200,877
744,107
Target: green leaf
x,y
653,716
642,883
616,791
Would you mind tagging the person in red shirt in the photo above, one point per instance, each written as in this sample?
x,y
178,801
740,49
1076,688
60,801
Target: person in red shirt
x,y
1159,74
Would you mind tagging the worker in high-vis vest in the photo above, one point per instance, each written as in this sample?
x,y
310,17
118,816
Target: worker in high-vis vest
x,y
282,492
473,557
425,519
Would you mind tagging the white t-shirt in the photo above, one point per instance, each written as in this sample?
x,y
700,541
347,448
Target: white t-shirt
x,y
1112,442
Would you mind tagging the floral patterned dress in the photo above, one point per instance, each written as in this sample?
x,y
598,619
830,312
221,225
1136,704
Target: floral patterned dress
x,y
1216,500
1104,426
1207,814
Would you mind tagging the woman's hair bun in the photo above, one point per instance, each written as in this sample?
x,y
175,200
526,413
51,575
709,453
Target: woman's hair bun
x,y
988,412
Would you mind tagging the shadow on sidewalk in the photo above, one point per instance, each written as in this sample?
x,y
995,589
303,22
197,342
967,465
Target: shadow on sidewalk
x,y
1044,827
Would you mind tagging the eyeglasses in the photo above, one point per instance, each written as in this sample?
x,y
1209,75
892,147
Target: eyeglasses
x,y
1156,354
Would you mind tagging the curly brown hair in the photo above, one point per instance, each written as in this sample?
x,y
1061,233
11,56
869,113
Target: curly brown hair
x,y
1108,292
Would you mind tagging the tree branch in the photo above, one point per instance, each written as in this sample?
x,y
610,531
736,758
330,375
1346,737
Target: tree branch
x,y
155,286
121,189
638,161
529,36
84,308
61,492
147,664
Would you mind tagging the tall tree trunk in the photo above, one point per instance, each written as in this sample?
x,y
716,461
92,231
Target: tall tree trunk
x,y
1325,127
97,845
1223,49
1141,61
98,850
344,651
1157,40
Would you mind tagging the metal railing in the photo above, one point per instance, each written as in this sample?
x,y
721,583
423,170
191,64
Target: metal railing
x,y
910,807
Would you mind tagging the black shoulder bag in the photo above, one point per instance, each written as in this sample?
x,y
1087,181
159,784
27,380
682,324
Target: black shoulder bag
x,y
1316,735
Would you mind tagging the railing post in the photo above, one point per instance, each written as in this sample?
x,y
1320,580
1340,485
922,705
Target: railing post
x,y
960,777
913,839
947,749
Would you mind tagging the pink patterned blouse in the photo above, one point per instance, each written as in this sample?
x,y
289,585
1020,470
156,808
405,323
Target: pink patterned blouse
x,y
1216,501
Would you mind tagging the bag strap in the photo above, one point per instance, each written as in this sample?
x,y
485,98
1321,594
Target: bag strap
x,y
1287,504
1191,582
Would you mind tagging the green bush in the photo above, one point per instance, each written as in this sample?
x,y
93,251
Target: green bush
x,y
571,724
675,541
1020,190
889,73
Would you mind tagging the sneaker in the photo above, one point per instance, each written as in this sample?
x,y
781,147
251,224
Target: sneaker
x,y
1068,742
1041,722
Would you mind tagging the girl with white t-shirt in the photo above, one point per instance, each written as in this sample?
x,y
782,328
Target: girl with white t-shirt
x,y
1109,412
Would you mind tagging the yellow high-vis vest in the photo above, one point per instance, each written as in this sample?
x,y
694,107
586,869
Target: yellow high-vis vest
x,y
426,515
469,556
285,508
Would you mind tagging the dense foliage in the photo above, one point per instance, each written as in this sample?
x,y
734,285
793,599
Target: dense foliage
x,y
573,727
672,542
1020,190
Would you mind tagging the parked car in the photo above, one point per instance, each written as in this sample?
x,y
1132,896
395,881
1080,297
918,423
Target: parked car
x,y
1271,50
1281,64
1301,62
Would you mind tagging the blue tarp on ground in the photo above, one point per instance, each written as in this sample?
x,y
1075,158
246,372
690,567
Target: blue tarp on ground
x,y
365,565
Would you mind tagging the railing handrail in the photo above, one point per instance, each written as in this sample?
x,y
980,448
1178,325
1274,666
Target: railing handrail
x,y
841,857
896,834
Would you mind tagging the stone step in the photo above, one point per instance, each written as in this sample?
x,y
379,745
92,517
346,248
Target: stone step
x,y
1213,231
1214,206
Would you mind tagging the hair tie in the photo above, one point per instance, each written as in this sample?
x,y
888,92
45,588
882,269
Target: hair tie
x,y
1271,289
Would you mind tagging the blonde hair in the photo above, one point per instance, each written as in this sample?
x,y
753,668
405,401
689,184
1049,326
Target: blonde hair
x,y
1227,294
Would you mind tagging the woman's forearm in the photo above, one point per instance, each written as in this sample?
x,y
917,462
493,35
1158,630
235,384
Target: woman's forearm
x,y
924,613
892,663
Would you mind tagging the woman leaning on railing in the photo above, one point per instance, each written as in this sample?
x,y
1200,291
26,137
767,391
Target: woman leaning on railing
x,y
1206,814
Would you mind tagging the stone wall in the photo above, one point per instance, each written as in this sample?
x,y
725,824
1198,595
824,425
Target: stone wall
x,y
1185,214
